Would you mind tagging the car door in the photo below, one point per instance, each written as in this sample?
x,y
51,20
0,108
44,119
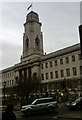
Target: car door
x,y
40,105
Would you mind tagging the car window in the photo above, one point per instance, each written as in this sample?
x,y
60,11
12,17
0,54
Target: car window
x,y
78,100
34,102
42,101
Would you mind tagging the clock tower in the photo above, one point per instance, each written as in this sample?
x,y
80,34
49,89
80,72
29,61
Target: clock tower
x,y
32,38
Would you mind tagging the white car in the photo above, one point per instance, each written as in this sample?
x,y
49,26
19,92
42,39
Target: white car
x,y
41,104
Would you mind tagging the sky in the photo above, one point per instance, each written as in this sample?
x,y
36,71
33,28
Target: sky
x,y
60,21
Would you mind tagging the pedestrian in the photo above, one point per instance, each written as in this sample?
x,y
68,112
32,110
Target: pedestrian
x,y
8,114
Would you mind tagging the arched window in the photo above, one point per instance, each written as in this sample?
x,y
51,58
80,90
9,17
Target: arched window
x,y
37,43
27,42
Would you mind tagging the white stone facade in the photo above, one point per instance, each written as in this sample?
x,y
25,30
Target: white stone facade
x,y
55,67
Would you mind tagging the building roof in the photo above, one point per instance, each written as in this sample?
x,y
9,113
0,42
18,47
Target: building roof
x,y
61,52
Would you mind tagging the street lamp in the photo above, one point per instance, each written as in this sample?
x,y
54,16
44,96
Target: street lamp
x,y
4,90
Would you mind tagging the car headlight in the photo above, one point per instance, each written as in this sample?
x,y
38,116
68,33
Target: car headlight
x,y
74,104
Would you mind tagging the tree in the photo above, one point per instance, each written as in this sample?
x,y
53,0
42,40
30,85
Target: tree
x,y
26,86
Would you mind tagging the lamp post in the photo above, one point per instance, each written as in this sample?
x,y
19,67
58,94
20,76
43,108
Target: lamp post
x,y
4,91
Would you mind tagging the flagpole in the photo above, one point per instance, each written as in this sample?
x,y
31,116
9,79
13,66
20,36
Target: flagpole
x,y
32,6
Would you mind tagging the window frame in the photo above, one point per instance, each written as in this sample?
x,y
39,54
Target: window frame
x,y
74,71
56,74
67,59
61,61
73,58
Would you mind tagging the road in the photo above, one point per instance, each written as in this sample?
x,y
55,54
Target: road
x,y
61,113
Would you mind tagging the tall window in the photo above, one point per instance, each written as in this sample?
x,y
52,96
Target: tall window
x,y
12,82
10,73
62,73
68,72
67,59
50,63
73,58
80,70
37,43
80,56
55,62
61,61
46,64
56,74
74,71
51,75
35,75
46,76
42,66
8,83
27,42
42,76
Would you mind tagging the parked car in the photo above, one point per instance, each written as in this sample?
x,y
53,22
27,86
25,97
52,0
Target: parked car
x,y
76,104
41,104
2,109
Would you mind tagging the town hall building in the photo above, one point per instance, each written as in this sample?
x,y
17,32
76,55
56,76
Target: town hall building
x,y
64,65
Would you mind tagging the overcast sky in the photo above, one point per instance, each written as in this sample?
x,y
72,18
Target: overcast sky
x,y
59,20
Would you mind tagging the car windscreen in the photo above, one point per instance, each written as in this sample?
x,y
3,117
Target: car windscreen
x,y
77,100
33,102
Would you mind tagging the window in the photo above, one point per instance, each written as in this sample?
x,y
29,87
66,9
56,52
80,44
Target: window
x,y
68,72
42,66
62,73
67,60
10,74
56,74
80,56
55,62
35,75
73,58
61,61
51,75
16,79
50,63
80,70
74,71
42,76
46,64
37,43
46,76
8,82
12,82
27,42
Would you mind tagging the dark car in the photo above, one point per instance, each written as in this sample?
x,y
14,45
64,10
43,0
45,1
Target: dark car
x,y
76,104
